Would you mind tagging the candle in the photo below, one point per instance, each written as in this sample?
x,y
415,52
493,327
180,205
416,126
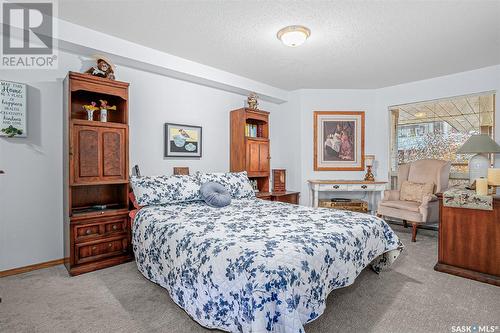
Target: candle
x,y
494,176
482,186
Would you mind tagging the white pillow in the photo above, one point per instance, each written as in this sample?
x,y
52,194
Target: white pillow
x,y
157,190
237,183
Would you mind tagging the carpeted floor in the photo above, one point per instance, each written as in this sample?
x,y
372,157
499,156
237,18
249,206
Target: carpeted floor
x,y
411,297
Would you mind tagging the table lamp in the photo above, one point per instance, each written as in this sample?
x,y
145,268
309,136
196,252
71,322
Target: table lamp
x,y
494,178
369,159
478,164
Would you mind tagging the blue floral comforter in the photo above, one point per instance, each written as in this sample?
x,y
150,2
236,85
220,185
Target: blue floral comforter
x,y
255,265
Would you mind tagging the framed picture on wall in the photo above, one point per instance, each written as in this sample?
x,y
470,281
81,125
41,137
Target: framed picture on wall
x,y
182,140
339,140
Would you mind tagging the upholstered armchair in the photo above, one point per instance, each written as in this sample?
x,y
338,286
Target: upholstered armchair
x,y
415,212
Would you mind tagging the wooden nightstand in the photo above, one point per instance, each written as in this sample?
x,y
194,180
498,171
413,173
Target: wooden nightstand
x,y
289,197
468,242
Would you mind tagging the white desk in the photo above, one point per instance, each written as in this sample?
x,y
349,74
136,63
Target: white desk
x,y
372,189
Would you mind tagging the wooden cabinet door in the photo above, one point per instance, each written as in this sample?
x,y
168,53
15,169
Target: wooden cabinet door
x,y
264,157
86,157
113,154
253,156
257,158
99,154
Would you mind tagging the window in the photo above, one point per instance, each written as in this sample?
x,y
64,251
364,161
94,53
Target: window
x,y
437,129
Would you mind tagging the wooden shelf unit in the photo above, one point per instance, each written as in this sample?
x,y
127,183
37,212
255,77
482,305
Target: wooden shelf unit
x,y
95,173
251,154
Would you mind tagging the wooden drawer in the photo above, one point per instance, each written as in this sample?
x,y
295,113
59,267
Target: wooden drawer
x,y
102,227
85,231
103,248
288,198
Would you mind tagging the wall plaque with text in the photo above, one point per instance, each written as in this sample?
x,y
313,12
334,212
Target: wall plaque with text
x,y
13,109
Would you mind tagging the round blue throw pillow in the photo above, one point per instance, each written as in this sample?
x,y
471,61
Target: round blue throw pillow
x,y
215,194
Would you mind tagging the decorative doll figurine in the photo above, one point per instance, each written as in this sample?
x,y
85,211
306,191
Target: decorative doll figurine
x,y
252,101
104,69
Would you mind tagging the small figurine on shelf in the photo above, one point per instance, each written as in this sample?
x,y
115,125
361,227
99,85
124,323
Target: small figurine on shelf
x,y
104,69
90,108
252,101
104,110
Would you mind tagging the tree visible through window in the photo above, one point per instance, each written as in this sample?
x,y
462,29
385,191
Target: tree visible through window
x,y
437,129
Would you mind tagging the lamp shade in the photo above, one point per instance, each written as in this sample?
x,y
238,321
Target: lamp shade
x,y
369,159
479,144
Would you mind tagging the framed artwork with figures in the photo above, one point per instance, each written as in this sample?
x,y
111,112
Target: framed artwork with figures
x,y
182,140
339,140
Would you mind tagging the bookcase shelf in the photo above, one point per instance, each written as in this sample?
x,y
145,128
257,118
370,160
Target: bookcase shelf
x,y
251,152
95,175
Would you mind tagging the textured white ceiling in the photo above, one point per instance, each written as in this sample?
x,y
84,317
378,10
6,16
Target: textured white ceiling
x,y
354,44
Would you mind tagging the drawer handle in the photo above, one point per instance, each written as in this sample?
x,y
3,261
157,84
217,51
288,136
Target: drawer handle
x,y
114,227
336,186
364,186
88,231
110,244
94,248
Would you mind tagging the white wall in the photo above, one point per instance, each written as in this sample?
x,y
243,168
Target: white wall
x,y
286,141
156,99
334,100
31,190
376,103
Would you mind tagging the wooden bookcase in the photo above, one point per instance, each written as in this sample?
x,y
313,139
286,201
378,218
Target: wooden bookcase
x,y
251,154
95,174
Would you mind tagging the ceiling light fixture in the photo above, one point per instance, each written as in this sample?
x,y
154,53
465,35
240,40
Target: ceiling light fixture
x,y
293,35
420,114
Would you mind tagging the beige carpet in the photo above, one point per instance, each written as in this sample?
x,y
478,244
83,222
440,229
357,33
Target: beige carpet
x,y
411,297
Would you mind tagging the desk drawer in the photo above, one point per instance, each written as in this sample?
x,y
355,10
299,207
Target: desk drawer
x,y
333,187
362,187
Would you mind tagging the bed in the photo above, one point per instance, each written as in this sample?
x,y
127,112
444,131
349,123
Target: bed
x,y
255,265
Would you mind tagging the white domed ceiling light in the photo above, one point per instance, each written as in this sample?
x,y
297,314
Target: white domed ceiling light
x,y
293,35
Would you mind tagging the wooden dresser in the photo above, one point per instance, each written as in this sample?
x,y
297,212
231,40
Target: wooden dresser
x,y
469,242
95,174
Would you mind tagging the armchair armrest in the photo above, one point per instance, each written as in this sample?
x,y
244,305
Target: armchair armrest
x,y
426,199
391,195
424,207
